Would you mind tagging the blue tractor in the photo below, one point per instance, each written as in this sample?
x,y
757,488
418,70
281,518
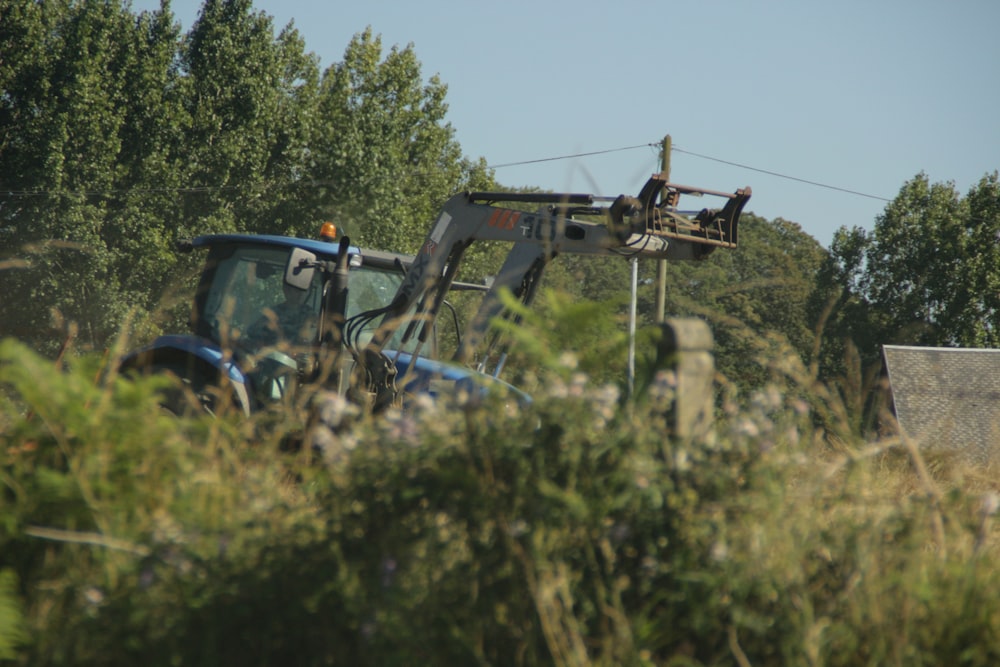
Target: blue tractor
x,y
274,313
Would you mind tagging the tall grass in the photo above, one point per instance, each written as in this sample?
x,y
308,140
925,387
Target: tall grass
x,y
575,531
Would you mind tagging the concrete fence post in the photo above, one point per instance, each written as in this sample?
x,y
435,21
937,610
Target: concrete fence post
x,y
686,349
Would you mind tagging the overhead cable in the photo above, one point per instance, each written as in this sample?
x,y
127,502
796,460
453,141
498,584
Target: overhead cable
x,y
699,155
565,157
774,173
207,189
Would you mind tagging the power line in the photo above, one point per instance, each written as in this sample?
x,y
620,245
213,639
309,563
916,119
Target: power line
x,y
699,155
566,157
774,173
220,188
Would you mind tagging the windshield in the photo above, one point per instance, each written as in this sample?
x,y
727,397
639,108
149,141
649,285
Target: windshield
x,y
247,303
371,290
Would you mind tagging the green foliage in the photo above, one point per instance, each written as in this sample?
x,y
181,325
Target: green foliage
x,y
249,108
925,275
62,120
12,631
121,136
572,531
755,297
562,334
385,155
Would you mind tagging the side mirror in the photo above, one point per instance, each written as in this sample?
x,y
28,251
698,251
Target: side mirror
x,y
300,269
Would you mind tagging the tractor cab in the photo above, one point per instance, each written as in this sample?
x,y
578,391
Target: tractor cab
x,y
265,314
259,291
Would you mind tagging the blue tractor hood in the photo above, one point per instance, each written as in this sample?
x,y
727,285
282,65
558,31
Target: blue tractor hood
x,y
427,376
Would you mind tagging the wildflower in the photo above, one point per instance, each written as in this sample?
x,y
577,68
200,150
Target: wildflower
x,y
388,571
766,400
424,403
557,389
681,461
568,360
403,428
335,410
747,427
93,595
146,577
517,528
606,400
619,533
334,448
663,387
604,403
990,503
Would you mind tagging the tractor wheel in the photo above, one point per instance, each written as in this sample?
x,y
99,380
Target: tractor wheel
x,y
191,393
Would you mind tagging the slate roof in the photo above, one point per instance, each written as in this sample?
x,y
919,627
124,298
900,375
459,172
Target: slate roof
x,y
947,399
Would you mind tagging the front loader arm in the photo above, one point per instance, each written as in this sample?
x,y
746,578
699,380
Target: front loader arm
x,y
469,217
649,225
520,274
633,226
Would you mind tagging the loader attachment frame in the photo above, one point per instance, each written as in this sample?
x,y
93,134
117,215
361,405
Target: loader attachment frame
x,y
655,212
650,225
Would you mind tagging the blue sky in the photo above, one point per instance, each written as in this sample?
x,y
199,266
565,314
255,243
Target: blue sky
x,y
855,95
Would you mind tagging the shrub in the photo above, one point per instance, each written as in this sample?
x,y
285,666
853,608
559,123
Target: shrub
x,y
474,532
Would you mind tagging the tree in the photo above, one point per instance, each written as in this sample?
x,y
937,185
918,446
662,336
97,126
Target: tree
x,y
250,108
118,136
64,115
754,296
981,319
927,274
385,154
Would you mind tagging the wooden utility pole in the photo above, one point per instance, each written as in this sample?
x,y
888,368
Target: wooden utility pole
x,y
661,265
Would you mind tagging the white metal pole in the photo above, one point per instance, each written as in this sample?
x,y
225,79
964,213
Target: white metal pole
x,y
631,326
